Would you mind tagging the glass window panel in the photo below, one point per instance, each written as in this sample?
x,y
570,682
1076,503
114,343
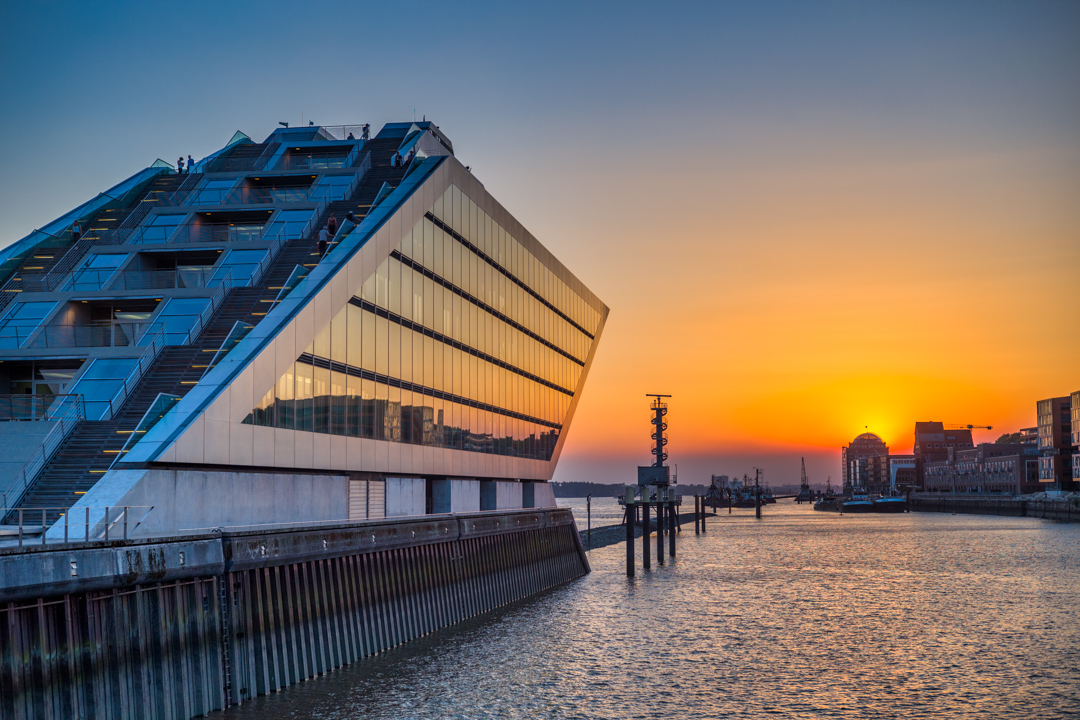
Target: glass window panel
x,y
321,398
304,396
352,406
406,367
286,394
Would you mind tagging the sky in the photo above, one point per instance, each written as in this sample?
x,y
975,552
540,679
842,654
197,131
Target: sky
x,y
809,219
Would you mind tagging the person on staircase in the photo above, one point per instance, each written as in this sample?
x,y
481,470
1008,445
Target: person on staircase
x,y
76,232
324,241
331,225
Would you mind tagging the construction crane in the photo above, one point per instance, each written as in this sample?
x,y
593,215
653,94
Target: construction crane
x,y
957,426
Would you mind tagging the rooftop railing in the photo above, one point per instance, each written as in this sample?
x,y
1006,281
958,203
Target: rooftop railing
x,y
343,132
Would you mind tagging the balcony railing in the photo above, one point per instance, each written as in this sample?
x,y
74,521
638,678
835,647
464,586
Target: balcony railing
x,y
95,334
40,407
199,234
141,279
250,195
313,162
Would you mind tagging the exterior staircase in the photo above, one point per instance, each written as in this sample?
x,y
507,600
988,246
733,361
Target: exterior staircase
x,y
94,445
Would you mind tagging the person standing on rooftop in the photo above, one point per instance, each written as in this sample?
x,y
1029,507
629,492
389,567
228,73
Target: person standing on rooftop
x,y
365,131
190,164
180,166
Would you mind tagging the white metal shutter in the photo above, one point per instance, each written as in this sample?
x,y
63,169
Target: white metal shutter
x,y
358,496
376,507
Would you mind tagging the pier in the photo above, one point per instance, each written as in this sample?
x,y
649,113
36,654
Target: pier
x,y
182,626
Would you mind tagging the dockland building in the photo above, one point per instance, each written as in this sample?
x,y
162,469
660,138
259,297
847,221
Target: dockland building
x,y
184,341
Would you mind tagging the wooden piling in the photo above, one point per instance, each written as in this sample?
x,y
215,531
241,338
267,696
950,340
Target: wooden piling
x,y
659,530
646,529
631,513
671,527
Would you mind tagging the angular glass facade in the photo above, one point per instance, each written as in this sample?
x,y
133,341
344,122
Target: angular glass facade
x,y
461,339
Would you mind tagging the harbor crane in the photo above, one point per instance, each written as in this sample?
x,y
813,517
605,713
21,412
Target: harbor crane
x,y
957,426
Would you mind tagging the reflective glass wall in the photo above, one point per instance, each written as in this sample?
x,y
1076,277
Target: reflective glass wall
x,y
461,339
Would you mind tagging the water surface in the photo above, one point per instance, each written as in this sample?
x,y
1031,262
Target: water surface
x,y
798,615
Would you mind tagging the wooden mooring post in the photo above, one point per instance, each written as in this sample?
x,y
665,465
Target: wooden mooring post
x,y
672,526
697,517
631,516
659,529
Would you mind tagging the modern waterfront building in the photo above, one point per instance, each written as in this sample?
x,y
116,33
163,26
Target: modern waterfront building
x,y
989,468
865,464
191,350
1056,446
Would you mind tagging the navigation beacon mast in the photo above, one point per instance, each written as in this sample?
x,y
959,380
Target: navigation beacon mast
x,y
658,473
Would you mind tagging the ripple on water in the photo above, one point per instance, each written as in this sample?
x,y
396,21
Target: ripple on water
x,y
800,615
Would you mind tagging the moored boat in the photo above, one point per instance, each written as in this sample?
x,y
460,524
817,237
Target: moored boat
x,y
890,504
829,503
857,503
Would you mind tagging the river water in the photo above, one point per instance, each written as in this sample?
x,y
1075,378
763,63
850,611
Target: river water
x,y
797,615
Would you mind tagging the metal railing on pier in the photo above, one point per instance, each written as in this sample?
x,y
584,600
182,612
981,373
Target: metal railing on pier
x,y
80,524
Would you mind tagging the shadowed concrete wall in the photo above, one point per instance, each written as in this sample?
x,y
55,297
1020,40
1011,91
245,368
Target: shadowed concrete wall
x,y
191,499
19,441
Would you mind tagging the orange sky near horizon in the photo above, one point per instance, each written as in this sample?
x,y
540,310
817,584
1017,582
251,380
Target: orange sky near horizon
x,y
801,302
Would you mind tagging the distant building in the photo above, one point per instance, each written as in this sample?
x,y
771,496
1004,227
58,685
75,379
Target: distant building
x,y
1056,446
998,468
902,475
932,443
865,464
1075,406
1029,436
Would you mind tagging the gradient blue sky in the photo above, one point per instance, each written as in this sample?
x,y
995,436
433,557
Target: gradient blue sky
x,y
850,200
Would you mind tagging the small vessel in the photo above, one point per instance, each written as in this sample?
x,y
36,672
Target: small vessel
x,y
859,502
829,503
890,504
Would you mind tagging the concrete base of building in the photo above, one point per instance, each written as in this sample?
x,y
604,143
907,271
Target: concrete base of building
x,y
167,502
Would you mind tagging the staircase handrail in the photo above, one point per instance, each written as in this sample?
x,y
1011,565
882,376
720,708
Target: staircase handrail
x,y
68,415
146,360
299,272
185,189
267,153
161,405
236,334
208,312
268,259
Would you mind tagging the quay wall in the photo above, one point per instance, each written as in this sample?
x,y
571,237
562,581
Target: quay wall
x,y
1063,510
181,627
